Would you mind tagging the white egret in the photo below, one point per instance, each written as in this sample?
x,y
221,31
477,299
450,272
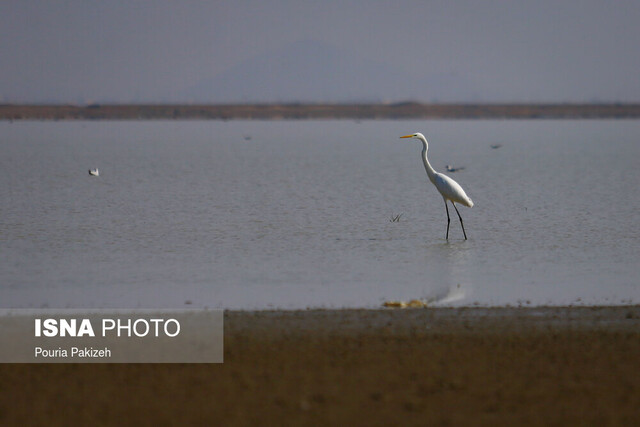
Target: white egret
x,y
448,188
94,172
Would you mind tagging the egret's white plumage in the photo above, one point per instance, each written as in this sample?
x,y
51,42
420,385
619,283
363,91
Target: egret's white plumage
x,y
448,188
94,172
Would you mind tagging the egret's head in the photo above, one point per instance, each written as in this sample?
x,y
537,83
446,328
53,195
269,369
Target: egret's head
x,y
414,136
417,136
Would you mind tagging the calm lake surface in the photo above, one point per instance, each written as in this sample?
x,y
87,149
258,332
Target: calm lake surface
x,y
297,214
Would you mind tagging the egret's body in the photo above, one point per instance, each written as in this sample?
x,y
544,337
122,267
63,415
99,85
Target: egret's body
x,y
448,188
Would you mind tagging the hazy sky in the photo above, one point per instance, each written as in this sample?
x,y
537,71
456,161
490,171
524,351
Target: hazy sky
x,y
233,51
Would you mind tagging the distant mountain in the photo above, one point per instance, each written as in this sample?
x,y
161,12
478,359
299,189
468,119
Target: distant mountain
x,y
311,71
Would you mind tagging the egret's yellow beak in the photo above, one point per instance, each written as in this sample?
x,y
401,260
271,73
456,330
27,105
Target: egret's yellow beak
x,y
407,136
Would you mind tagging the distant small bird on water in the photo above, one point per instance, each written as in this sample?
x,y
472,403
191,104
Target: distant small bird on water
x,y
94,172
452,169
496,146
448,188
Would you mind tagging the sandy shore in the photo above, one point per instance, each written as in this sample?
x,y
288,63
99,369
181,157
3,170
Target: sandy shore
x,y
363,367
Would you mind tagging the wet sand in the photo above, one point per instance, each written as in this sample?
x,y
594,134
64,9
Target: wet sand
x,y
445,366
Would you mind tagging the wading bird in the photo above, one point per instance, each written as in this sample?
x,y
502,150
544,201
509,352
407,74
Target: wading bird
x,y
448,188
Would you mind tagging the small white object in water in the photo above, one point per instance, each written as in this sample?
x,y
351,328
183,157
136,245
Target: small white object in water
x,y
452,169
94,172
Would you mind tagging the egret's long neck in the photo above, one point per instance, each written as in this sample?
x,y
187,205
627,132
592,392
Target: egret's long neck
x,y
431,173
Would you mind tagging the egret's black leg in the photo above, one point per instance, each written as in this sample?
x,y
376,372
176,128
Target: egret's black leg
x,y
463,232
448,219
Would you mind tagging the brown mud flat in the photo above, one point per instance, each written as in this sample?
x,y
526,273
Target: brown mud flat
x,y
449,366
403,110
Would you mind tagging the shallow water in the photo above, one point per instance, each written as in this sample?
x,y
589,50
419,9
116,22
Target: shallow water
x,y
296,214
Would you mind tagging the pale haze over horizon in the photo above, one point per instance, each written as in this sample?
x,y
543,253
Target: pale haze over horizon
x,y
330,51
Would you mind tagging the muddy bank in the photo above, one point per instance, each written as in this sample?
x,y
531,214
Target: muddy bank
x,y
364,367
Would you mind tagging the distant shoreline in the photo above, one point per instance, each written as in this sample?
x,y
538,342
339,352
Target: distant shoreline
x,y
399,111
